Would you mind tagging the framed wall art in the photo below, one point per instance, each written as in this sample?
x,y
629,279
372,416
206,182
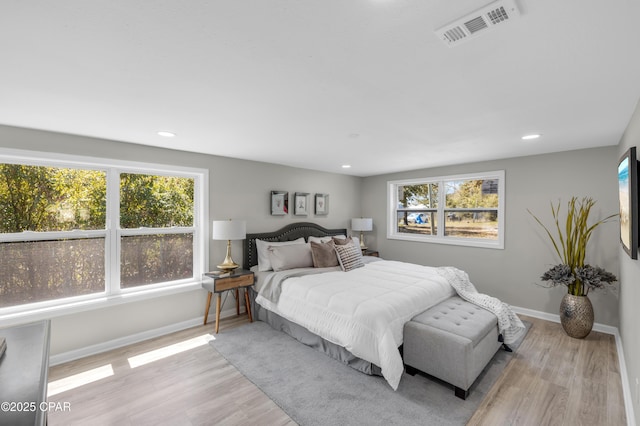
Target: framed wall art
x,y
300,203
321,204
628,194
279,203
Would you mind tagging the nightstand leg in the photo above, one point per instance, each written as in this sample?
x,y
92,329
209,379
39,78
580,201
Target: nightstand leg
x,y
218,300
246,301
237,302
206,309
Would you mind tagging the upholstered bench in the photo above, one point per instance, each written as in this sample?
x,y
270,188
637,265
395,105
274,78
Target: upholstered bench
x,y
453,341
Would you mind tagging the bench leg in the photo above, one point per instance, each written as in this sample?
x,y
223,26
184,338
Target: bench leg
x,y
461,393
410,370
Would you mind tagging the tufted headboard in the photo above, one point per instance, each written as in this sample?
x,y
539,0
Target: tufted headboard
x,y
290,232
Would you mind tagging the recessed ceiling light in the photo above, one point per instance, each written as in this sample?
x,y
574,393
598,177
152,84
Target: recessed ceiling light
x,y
166,134
530,137
346,166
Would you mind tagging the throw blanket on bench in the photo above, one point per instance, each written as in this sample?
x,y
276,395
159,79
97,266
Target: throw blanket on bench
x,y
509,325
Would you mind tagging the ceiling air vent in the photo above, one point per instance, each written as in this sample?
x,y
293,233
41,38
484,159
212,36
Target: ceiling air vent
x,y
476,23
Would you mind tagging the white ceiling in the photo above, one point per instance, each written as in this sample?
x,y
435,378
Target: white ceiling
x,y
321,83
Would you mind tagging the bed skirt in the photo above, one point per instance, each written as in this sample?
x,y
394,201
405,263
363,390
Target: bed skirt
x,y
310,339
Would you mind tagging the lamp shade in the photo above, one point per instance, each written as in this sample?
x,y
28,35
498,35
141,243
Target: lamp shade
x,y
229,229
362,224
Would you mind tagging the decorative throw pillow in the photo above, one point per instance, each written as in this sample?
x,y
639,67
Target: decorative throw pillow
x,y
262,247
324,254
340,240
313,239
290,256
349,256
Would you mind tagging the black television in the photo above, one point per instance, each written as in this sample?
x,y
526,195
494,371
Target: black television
x,y
628,195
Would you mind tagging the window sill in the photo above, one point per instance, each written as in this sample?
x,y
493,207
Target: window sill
x,y
99,302
492,244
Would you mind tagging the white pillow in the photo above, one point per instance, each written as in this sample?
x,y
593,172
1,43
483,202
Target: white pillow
x,y
262,247
321,240
290,256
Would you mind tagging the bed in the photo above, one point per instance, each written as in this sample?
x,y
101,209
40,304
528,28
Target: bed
x,y
357,316
250,261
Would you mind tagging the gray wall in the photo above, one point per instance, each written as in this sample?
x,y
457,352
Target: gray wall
x,y
630,287
532,183
238,189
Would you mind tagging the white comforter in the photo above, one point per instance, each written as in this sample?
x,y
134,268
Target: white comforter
x,y
363,310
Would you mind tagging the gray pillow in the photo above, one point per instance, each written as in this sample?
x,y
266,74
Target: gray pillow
x,y
262,248
340,240
284,257
323,239
324,254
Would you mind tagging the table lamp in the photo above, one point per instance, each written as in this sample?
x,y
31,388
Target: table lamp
x,y
362,224
229,230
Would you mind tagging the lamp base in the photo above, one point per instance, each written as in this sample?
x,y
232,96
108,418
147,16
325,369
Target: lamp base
x,y
362,246
228,265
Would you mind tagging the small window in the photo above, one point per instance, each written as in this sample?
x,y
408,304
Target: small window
x,y
462,210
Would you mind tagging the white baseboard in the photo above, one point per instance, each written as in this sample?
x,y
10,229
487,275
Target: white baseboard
x,y
131,339
602,328
626,388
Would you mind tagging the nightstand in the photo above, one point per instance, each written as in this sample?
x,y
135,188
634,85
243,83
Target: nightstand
x,y
370,253
219,283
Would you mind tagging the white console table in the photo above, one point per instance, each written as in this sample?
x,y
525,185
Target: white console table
x,y
24,371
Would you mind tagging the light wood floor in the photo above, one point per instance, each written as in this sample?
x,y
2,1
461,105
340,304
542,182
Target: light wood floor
x,y
557,380
552,379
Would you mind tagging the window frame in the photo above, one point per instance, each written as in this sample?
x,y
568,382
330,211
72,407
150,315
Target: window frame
x,y
440,238
113,293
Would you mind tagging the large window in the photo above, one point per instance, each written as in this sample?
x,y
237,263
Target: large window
x,y
74,230
463,210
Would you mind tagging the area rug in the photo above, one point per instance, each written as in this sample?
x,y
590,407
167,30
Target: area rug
x,y
314,389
